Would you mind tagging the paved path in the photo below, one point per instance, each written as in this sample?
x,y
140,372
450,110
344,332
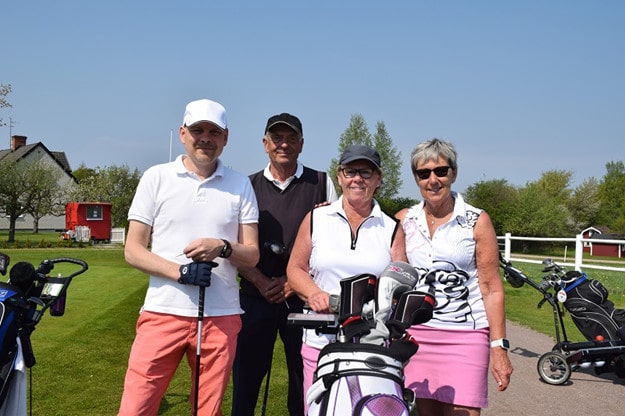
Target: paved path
x,y
584,394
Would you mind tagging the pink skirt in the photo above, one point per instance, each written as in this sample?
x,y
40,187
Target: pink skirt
x,y
451,366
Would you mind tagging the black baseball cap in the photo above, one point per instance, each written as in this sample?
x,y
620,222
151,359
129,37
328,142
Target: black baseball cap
x,y
288,119
360,152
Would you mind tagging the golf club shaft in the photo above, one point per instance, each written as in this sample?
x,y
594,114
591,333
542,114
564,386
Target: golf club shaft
x,y
264,408
198,351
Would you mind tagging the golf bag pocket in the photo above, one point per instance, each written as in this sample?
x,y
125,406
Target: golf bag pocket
x,y
358,379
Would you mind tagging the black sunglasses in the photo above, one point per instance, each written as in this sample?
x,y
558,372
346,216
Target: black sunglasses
x,y
440,172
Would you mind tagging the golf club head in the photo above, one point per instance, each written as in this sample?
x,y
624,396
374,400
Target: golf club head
x,y
22,276
414,308
4,263
397,273
277,249
355,292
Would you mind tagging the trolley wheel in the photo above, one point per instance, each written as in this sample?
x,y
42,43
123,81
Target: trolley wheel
x,y
553,368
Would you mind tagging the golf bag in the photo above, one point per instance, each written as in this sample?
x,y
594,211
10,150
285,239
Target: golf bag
x,y
359,379
591,311
361,374
23,301
11,317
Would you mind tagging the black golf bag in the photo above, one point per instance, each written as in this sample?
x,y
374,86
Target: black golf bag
x,y
591,311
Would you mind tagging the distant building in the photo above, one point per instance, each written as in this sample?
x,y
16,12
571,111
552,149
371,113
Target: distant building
x,y
21,151
599,248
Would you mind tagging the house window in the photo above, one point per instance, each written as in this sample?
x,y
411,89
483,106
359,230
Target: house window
x,y
94,212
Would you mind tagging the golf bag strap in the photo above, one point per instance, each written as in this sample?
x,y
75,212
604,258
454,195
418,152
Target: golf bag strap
x,y
27,346
575,283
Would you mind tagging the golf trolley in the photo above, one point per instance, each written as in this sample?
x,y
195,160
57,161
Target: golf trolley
x,y
23,302
362,371
592,313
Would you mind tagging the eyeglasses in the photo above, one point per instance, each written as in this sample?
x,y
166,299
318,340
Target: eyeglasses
x,y
440,172
364,173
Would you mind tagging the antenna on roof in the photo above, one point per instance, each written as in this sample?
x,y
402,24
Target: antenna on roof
x,y
11,124
171,135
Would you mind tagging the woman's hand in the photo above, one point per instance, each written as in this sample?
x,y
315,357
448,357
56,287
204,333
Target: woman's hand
x,y
319,302
500,367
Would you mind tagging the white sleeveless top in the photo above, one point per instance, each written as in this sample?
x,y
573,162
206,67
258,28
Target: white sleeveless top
x,y
446,265
337,254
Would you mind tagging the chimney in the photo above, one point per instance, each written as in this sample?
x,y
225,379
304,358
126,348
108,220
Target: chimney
x,y
17,142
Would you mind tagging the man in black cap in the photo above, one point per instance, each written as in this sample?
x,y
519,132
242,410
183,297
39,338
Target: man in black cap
x,y
286,191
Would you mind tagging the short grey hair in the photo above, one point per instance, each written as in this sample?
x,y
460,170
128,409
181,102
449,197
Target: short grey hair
x,y
431,150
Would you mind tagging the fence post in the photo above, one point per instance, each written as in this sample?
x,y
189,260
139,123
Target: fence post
x,y
507,246
579,252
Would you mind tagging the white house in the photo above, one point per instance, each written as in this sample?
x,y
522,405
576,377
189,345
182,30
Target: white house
x,y
34,152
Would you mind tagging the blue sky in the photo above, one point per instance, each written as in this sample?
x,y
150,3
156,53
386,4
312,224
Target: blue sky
x,y
520,87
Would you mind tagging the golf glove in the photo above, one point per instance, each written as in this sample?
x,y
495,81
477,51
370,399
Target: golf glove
x,y
197,273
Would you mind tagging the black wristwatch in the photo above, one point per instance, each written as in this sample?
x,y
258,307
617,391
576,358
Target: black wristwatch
x,y
226,251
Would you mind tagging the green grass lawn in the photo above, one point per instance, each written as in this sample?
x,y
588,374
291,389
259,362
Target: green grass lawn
x,y
82,356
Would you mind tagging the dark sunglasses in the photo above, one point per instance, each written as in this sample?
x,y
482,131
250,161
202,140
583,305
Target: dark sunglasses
x,y
364,173
440,172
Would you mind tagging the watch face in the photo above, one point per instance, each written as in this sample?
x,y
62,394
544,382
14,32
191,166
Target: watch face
x,y
506,343
226,251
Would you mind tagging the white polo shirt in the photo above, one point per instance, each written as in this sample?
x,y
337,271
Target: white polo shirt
x,y
180,208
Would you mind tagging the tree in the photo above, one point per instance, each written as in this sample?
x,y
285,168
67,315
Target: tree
x,y
83,172
113,184
584,204
556,184
12,191
612,198
45,191
392,205
497,198
30,186
391,162
4,91
539,215
358,133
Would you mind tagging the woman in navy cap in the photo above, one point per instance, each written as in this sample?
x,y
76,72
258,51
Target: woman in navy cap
x,y
348,237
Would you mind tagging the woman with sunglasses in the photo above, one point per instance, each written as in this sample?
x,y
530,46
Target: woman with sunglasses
x,y
351,236
454,248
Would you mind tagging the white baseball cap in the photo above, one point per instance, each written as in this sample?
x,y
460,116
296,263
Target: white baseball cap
x,y
205,110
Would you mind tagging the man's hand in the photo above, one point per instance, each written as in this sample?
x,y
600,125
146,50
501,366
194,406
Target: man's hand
x,y
274,290
197,273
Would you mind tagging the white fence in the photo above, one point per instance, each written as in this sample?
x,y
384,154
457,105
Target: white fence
x,y
118,235
579,241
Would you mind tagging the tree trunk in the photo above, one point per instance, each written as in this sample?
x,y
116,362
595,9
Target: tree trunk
x,y
12,221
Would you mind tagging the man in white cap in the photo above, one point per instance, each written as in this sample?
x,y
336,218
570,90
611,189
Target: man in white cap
x,y
192,222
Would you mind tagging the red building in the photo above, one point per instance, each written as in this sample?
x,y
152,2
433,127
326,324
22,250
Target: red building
x,y
599,248
91,218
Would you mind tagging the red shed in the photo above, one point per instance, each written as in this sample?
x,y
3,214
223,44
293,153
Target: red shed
x,y
94,215
599,248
